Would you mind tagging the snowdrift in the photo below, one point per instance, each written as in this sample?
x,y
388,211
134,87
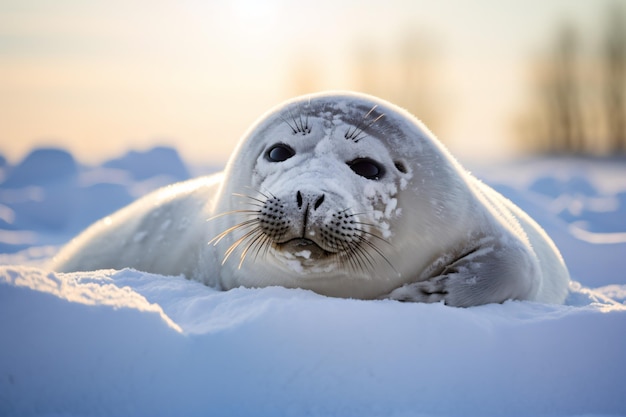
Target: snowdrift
x,y
130,343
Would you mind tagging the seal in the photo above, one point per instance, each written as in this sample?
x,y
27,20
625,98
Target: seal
x,y
343,194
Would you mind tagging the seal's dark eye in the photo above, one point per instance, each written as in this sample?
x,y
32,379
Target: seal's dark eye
x,y
280,153
367,168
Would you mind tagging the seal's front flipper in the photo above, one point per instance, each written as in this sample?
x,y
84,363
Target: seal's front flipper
x,y
431,291
487,273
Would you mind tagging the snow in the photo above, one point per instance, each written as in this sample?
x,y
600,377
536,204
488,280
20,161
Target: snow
x,y
128,343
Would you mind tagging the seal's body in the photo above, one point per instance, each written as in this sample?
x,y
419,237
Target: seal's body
x,y
343,194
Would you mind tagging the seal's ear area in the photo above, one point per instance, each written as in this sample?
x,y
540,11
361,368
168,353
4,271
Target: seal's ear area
x,y
400,166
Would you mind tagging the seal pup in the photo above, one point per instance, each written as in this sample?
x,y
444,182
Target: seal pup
x,y
340,193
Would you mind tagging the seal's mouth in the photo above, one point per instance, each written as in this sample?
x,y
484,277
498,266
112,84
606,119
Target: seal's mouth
x,y
304,246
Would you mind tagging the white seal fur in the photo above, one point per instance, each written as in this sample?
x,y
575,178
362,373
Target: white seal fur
x,y
343,194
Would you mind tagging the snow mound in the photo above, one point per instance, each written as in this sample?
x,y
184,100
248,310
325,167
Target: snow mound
x,y
41,167
582,206
128,343
48,198
131,343
153,162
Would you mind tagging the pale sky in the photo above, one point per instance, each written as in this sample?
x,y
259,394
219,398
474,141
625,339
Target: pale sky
x,y
103,77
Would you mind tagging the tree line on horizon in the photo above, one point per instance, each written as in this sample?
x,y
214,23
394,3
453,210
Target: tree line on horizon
x,y
578,97
576,100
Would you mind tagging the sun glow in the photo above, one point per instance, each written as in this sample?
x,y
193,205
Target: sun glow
x,y
100,77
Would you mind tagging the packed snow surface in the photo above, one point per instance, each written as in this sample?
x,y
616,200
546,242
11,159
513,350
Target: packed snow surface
x,y
128,343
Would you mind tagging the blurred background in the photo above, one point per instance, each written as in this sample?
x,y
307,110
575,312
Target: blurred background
x,y
492,78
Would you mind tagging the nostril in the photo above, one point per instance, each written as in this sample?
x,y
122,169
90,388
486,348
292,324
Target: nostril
x,y
299,199
319,202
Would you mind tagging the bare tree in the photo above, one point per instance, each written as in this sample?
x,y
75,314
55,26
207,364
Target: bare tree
x,y
554,122
614,67
580,105
565,119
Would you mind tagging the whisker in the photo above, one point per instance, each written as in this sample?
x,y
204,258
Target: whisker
x,y
293,129
379,252
348,134
238,226
369,225
238,242
370,112
344,256
359,137
227,213
302,126
298,126
299,123
250,197
349,214
252,242
262,242
357,129
376,236
354,258
360,254
261,193
306,120
365,256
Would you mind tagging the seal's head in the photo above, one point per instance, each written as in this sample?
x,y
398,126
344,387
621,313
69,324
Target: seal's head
x,y
318,189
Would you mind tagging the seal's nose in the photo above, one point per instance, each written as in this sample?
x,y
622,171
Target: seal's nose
x,y
316,199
